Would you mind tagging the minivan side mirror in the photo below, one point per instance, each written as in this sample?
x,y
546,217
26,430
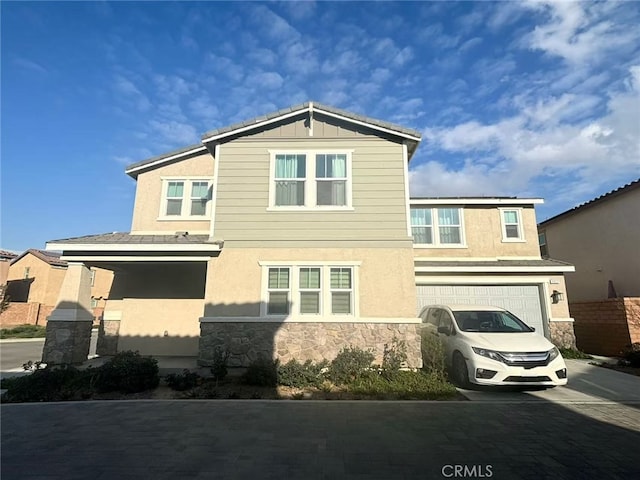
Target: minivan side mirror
x,y
444,329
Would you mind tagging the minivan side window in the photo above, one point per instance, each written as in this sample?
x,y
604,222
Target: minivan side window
x,y
446,321
433,315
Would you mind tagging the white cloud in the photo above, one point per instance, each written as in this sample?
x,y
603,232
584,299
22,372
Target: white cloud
x,y
576,31
30,65
174,132
268,80
542,140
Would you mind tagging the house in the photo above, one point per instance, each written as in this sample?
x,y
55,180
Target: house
x,y
34,280
290,235
601,238
5,260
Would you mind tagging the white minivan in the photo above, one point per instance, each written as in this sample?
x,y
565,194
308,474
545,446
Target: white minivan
x,y
490,346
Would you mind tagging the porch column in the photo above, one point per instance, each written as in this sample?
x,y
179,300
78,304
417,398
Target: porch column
x,y
69,325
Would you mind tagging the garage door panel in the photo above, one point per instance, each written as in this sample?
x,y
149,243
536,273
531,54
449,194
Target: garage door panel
x,y
522,300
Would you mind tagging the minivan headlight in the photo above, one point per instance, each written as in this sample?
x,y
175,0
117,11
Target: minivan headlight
x,y
554,353
492,354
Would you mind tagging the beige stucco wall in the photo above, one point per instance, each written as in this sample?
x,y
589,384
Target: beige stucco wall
x,y
602,241
385,285
4,271
560,309
483,235
160,326
47,279
146,209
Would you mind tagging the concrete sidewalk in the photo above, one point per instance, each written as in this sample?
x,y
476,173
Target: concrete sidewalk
x,y
255,439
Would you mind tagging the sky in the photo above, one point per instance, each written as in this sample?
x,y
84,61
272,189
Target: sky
x,y
529,99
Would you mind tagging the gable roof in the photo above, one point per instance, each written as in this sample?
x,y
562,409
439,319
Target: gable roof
x,y
596,201
7,255
52,258
220,134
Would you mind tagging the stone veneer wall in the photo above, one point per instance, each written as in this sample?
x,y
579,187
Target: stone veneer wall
x,y
562,334
605,327
67,342
246,341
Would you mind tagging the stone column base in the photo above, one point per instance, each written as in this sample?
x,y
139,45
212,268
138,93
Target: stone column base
x,y
67,342
562,334
108,336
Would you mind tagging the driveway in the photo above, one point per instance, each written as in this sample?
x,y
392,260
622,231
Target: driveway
x,y
257,439
587,383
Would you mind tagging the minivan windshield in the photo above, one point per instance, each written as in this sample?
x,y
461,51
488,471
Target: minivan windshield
x,y
489,321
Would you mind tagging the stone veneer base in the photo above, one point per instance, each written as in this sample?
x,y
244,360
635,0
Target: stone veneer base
x,y
67,342
108,336
246,342
562,334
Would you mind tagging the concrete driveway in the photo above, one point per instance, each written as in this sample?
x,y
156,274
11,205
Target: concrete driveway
x,y
587,383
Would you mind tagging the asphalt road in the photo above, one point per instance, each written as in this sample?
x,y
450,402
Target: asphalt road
x,y
13,354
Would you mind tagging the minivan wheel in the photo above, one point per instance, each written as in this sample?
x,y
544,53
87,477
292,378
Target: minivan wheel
x,y
460,372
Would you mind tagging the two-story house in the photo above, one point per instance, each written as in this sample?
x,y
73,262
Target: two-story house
x,y
292,236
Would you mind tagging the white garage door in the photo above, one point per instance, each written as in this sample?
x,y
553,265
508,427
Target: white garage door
x,y
521,300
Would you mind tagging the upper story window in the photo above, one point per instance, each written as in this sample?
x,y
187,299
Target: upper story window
x,y
310,180
93,278
511,225
26,272
185,198
437,227
542,241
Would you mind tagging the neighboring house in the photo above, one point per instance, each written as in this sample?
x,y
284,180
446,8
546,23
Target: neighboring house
x,y
5,261
290,235
602,239
35,277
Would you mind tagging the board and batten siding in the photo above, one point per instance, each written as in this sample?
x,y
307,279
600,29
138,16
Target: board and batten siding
x,y
378,198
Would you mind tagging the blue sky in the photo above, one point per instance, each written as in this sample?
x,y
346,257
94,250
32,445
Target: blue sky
x,y
513,98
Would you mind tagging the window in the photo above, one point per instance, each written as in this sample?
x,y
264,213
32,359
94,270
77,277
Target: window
x,y
26,272
542,241
437,226
186,198
309,290
511,225
93,277
278,303
290,178
341,288
94,302
317,180
331,178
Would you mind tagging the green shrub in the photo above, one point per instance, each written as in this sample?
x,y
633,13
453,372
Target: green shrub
x,y
393,358
183,381
301,375
219,368
51,384
127,372
631,354
350,364
24,331
433,356
573,353
404,385
262,372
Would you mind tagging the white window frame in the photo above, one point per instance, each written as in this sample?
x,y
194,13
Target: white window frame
x,y
541,244
435,228
310,181
325,289
288,291
503,223
93,277
186,199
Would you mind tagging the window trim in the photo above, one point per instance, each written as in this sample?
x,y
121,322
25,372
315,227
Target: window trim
x,y
435,228
325,290
186,199
503,224
544,244
310,181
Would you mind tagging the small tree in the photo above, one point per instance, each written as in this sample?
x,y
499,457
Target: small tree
x,y
4,298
